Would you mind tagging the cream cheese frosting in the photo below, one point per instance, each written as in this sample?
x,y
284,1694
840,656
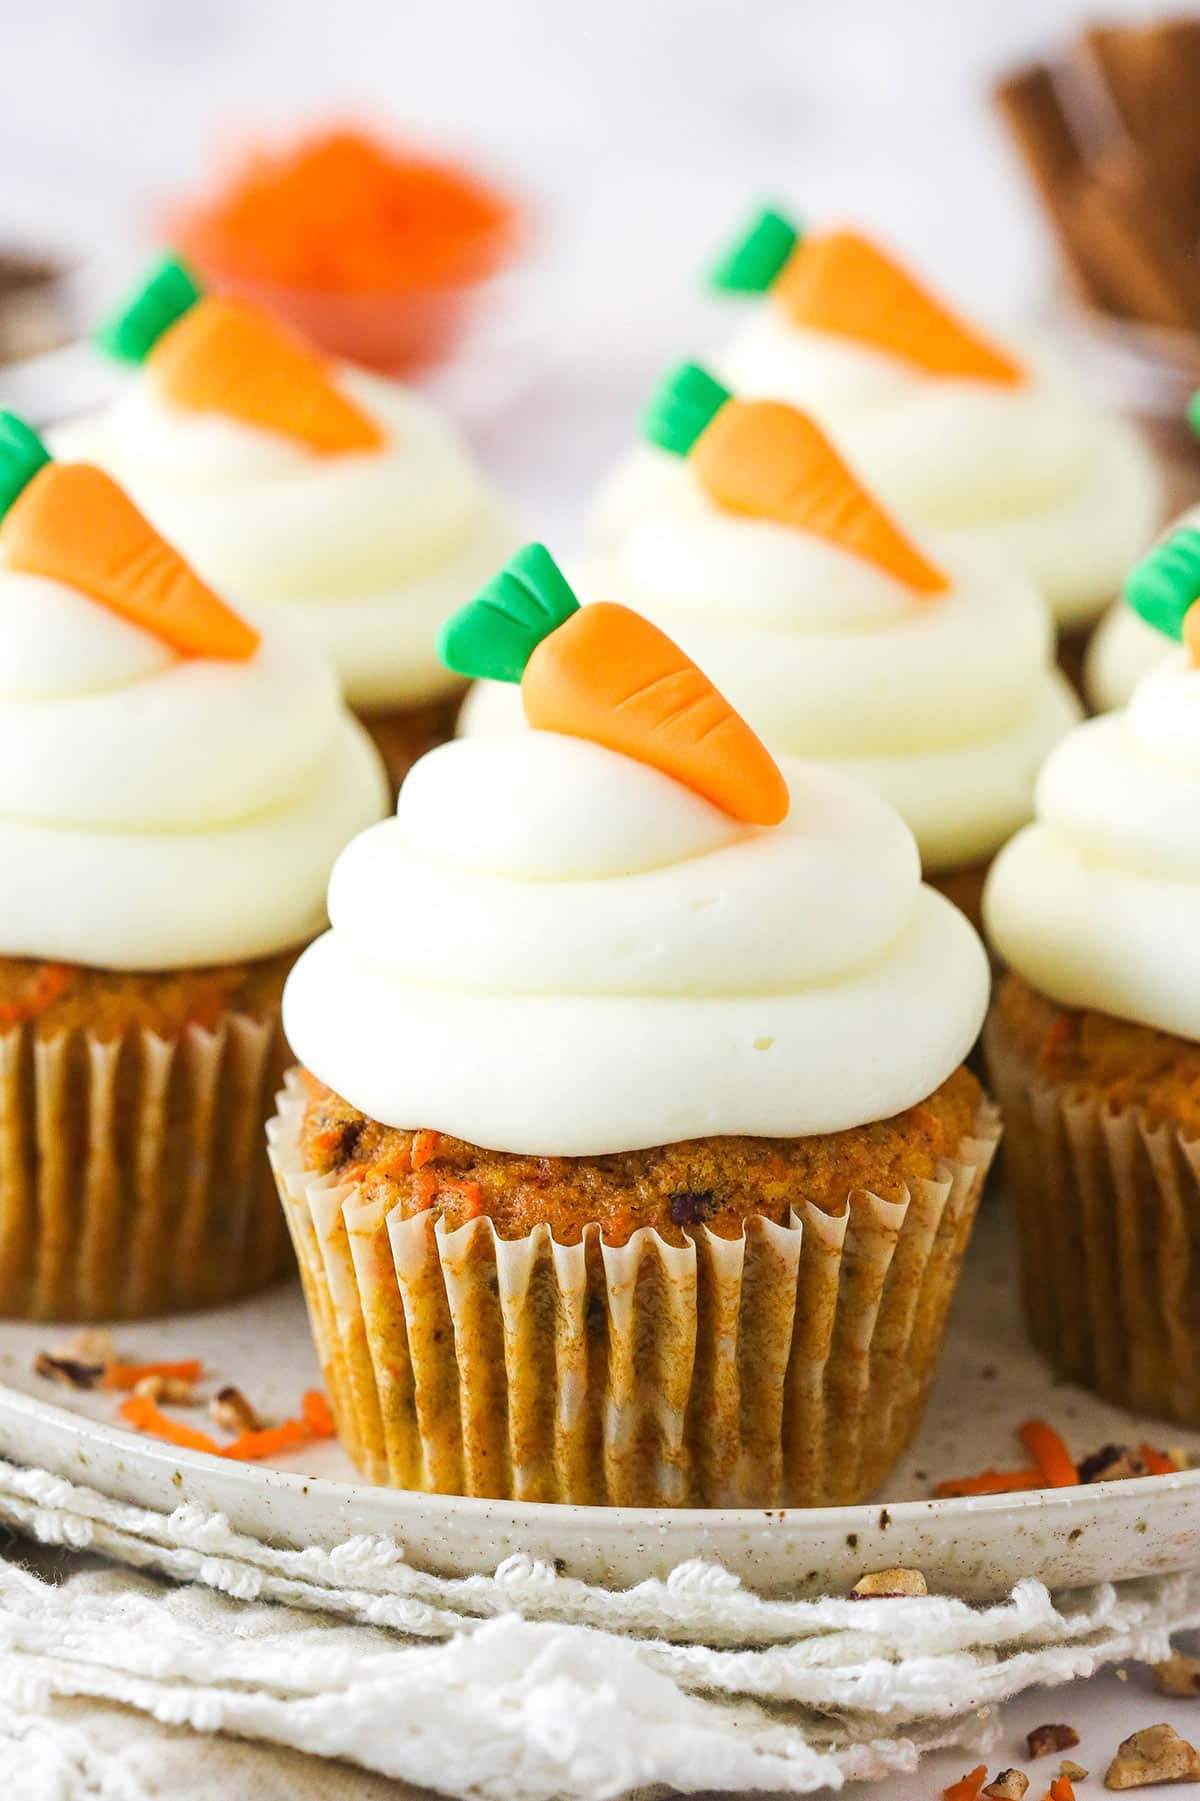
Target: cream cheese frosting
x,y
1096,903
1028,473
554,949
946,706
367,551
159,811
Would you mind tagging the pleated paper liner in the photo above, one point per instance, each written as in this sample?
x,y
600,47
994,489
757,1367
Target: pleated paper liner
x,y
783,1368
133,1179
402,735
1107,1208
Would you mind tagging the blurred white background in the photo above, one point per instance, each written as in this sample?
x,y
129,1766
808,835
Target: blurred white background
x,y
639,130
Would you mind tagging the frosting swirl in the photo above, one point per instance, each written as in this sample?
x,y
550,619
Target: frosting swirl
x,y
1095,904
584,956
1028,472
1123,647
159,811
369,552
946,707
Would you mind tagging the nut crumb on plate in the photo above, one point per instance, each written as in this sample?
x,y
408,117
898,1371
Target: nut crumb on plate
x,y
1044,1739
230,1408
1155,1754
1178,1676
889,1585
1010,1785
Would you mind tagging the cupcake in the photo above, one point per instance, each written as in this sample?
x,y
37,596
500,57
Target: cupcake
x,y
920,669
176,784
1125,647
996,452
632,1158
1094,1038
311,487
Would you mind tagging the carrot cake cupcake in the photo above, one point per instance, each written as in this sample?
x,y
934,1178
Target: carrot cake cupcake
x,y
308,486
633,1157
919,669
997,451
175,782
1094,1040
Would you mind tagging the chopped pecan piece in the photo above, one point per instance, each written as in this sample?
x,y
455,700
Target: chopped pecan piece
x,y
1044,1739
1113,1463
230,1408
91,1344
1010,1785
1178,1676
171,1389
1074,1772
70,1371
1156,1754
889,1585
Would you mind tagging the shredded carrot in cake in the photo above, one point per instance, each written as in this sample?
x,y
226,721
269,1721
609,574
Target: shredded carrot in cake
x,y
128,1375
424,1147
51,981
1050,1454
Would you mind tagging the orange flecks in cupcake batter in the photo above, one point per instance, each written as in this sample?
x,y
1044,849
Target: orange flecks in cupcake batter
x,y
715,1182
841,283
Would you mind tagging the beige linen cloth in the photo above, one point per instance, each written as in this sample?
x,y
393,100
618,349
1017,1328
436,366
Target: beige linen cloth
x,y
293,1673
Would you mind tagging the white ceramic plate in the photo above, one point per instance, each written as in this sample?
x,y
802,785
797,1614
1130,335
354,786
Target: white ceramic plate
x,y
990,1381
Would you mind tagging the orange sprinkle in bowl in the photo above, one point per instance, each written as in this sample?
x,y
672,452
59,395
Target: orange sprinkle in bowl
x,y
375,253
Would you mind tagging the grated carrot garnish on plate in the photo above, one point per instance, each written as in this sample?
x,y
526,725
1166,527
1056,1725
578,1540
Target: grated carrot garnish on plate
x,y
989,1482
967,1787
1050,1454
140,1412
128,1375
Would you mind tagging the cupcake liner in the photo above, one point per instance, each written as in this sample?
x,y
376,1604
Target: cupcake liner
x,y
402,735
1107,1207
782,1368
132,1176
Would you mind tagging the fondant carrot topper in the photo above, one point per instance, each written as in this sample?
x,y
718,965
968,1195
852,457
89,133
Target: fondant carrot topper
x,y
840,282
213,354
71,523
1164,588
769,461
605,673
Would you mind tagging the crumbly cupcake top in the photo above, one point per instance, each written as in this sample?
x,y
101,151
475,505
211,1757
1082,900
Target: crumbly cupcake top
x,y
839,634
174,780
624,928
997,451
293,481
1095,904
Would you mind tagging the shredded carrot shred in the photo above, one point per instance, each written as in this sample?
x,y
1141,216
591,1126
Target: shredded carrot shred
x,y
424,1147
1061,1789
967,1787
1050,1454
51,980
140,1412
989,1482
128,1375
314,1410
248,1447
1157,1462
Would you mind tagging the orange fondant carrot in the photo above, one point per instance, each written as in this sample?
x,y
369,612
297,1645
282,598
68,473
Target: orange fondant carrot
x,y
224,356
128,1375
839,282
1191,633
140,1412
765,459
1050,1454
215,355
611,676
73,524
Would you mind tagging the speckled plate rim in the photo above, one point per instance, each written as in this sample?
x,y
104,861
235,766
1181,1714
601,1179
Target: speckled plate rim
x,y
977,1547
